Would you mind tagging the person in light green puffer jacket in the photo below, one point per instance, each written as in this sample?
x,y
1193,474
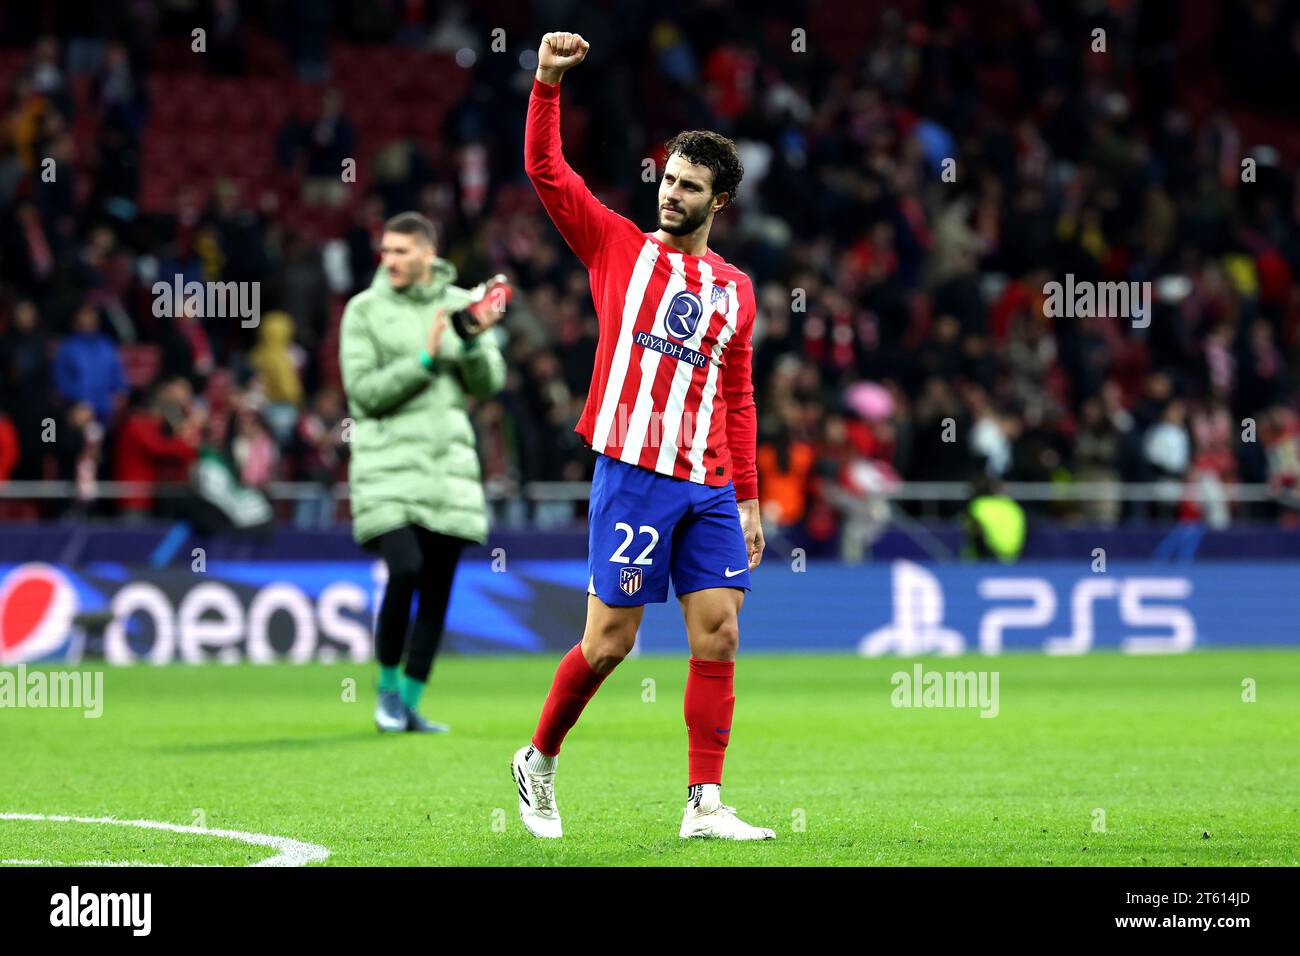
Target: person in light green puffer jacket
x,y
411,350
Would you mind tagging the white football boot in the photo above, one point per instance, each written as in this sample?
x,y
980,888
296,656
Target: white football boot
x,y
708,817
390,713
537,807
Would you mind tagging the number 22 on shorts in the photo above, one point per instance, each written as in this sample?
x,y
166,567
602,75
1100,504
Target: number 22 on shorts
x,y
642,558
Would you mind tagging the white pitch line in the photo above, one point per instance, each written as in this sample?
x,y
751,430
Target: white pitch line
x,y
78,863
288,852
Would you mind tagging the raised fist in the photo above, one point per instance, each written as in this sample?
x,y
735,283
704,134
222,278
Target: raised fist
x,y
559,53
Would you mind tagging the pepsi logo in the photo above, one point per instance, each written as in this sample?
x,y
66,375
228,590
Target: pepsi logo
x,y
37,605
683,316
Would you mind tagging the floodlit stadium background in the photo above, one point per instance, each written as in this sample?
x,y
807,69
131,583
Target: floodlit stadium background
x,y
918,175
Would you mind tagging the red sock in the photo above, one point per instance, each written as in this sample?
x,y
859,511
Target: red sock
x,y
710,701
575,683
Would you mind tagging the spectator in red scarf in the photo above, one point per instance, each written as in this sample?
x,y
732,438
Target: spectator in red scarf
x,y
149,450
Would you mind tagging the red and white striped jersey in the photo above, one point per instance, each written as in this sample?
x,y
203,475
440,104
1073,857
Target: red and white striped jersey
x,y
672,389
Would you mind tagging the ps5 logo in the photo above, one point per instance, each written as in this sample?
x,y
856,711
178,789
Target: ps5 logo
x,y
918,627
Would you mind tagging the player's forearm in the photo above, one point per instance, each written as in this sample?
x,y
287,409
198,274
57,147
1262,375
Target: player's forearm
x,y
374,388
579,215
742,437
483,367
543,150
746,488
379,390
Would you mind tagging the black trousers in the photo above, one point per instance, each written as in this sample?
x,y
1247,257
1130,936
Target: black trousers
x,y
419,562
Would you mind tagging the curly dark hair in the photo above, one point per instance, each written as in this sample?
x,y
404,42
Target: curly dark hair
x,y
706,148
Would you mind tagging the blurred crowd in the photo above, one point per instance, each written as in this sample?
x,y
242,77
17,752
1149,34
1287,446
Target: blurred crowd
x,y
916,175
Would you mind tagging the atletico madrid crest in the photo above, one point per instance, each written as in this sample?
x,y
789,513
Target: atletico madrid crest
x,y
719,294
629,579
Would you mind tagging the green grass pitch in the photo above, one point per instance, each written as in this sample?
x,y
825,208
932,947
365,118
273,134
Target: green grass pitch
x,y
1095,760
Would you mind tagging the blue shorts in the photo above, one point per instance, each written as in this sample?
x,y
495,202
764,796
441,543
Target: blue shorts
x,y
643,526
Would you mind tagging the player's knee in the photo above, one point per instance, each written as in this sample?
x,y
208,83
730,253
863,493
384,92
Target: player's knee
x,y
603,658
721,637
604,653
607,641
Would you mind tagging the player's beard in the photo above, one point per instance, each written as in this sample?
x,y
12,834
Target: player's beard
x,y
686,225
